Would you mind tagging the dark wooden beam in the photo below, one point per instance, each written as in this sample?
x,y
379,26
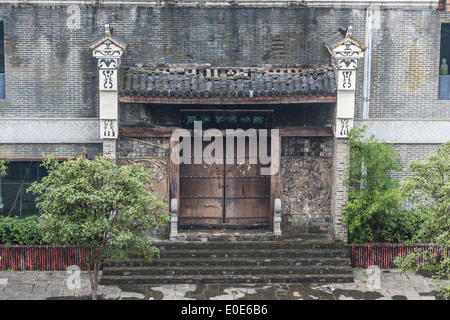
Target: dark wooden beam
x,y
165,132
145,131
306,131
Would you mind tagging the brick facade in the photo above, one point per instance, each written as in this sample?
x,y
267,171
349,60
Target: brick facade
x,y
37,150
51,74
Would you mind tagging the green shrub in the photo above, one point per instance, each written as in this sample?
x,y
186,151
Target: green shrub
x,y
374,198
428,189
20,231
399,226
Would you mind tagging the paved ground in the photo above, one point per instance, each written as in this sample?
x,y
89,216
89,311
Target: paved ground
x,y
368,285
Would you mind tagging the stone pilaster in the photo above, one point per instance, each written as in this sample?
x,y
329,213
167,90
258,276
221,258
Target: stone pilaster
x,y
339,190
108,50
345,53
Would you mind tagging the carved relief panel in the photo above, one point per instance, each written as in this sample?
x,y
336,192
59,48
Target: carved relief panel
x,y
159,168
306,185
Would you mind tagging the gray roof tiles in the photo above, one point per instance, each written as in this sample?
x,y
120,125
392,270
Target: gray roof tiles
x,y
251,82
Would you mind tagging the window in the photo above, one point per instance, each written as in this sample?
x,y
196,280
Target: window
x,y
14,198
2,62
444,75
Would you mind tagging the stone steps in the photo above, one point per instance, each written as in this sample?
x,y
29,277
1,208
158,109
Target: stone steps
x,y
223,270
277,261
229,259
196,279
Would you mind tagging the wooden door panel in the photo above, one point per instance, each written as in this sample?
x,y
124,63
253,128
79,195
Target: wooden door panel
x,y
247,192
247,211
255,186
231,195
201,212
201,194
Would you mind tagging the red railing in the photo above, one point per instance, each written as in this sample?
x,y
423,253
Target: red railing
x,y
383,254
47,258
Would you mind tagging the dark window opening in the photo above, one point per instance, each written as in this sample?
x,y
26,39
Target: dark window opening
x,y
14,198
444,60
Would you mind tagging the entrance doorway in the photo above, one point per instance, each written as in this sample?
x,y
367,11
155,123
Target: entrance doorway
x,y
233,194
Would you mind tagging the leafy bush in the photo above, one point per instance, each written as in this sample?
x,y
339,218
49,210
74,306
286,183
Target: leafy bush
x,y
399,226
374,198
20,231
428,189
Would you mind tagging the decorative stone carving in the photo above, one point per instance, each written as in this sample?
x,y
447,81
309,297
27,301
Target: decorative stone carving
x,y
49,131
410,131
347,80
108,50
344,126
306,186
108,129
345,52
108,63
109,45
159,169
349,64
108,79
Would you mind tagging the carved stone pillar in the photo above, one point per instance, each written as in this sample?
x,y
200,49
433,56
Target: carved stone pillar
x,y
345,53
108,50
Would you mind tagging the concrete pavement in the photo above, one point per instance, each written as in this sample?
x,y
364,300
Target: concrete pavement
x,y
368,285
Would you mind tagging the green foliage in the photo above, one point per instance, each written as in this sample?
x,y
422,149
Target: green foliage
x,y
3,167
20,231
399,226
104,208
426,261
374,198
428,190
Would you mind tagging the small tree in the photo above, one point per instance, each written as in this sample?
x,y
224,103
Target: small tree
x,y
373,193
99,206
428,190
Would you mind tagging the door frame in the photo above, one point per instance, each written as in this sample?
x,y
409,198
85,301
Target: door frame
x,y
174,184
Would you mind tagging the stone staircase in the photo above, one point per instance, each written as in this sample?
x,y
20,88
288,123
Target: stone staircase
x,y
237,258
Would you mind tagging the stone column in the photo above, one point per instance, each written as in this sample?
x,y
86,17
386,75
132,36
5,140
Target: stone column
x,y
108,50
345,53
339,191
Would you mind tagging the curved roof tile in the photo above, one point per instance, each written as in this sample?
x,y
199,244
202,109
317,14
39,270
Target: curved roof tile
x,y
248,83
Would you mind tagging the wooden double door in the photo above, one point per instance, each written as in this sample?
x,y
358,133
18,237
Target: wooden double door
x,y
232,194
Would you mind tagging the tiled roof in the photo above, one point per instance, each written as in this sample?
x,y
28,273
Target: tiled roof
x,y
247,83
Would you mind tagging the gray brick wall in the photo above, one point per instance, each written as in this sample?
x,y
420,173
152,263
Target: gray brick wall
x,y
37,150
410,152
307,147
51,71
405,66
143,148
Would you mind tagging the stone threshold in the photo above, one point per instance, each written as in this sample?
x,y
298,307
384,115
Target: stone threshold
x,y
241,235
